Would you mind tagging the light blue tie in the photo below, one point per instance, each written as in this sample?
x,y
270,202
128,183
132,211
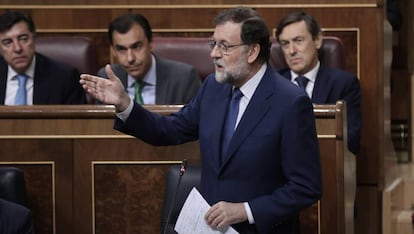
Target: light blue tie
x,y
21,95
231,119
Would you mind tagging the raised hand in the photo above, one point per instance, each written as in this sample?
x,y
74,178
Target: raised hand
x,y
108,91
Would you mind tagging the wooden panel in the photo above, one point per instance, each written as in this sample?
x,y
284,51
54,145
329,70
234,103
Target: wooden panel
x,y
368,212
95,158
128,198
48,175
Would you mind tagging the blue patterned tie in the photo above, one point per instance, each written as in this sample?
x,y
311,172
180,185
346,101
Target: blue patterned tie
x,y
302,82
231,119
21,95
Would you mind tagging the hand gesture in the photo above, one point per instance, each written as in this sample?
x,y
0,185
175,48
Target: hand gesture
x,y
108,91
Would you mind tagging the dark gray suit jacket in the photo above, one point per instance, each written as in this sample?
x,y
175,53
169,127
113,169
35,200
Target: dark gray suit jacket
x,y
177,82
15,218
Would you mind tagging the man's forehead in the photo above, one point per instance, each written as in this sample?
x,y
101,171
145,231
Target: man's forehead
x,y
294,30
16,30
227,31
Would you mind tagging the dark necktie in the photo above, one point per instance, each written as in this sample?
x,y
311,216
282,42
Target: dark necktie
x,y
231,119
138,89
302,82
21,95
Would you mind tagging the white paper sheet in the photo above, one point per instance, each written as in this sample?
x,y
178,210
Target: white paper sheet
x,y
191,218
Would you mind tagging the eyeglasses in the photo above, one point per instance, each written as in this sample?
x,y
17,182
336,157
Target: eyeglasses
x,y
223,47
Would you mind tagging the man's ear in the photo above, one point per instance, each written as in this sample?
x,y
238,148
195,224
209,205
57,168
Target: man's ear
x,y
253,52
318,40
113,55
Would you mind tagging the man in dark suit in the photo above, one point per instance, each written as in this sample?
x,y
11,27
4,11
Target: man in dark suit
x,y
269,169
44,81
147,78
300,37
15,219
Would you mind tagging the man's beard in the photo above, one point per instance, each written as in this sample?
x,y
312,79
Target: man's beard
x,y
239,72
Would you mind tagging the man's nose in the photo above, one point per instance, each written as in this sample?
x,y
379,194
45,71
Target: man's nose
x,y
215,52
130,55
291,48
17,47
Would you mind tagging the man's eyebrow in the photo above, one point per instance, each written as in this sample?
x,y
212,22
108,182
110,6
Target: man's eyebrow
x,y
132,45
119,47
23,35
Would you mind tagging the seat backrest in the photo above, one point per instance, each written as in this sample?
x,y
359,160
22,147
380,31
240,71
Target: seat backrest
x,y
196,51
331,54
12,185
190,50
79,52
176,192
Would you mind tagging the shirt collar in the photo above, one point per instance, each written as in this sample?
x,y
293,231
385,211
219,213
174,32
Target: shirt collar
x,y
250,86
11,74
311,75
150,76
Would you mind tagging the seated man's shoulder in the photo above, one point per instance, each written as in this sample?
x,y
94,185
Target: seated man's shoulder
x,y
116,68
174,64
340,73
54,64
14,218
12,208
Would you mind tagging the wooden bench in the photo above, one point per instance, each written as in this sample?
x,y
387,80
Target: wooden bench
x,y
84,177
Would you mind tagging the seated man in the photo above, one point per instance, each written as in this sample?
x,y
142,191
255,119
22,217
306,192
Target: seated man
x,y
300,37
15,218
27,77
148,79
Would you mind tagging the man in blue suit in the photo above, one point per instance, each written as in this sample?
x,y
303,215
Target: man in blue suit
x,y
300,37
270,169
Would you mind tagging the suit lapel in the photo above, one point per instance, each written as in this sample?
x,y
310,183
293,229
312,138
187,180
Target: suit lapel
x,y
256,109
121,74
217,117
322,85
161,92
3,80
40,79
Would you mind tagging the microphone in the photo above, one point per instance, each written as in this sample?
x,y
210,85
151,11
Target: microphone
x,y
183,167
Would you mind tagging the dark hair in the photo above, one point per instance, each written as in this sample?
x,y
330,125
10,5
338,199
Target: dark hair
x,y
311,24
10,18
253,29
124,23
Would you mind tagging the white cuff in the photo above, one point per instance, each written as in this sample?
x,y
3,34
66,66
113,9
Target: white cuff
x,y
125,114
249,213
